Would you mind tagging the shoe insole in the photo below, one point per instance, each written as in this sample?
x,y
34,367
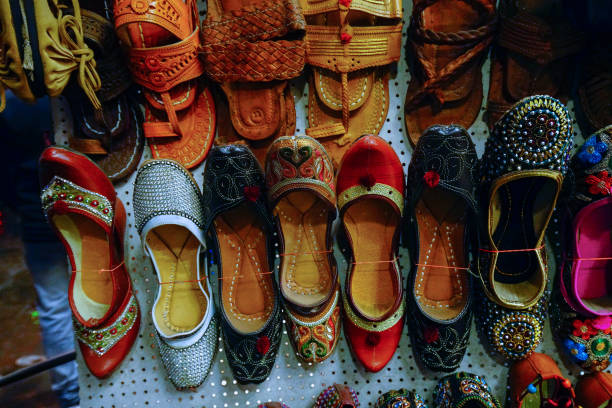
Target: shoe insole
x,y
595,241
371,225
247,288
88,242
522,208
305,270
182,304
441,291
545,390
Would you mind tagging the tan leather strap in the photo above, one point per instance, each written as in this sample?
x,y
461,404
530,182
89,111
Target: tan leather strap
x,y
479,40
532,37
172,15
70,28
380,8
87,146
162,68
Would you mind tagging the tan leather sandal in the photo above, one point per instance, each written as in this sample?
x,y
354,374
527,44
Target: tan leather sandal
x,y
163,40
349,45
248,50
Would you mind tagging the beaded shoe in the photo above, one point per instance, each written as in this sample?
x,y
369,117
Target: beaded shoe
x,y
301,191
240,233
169,218
82,207
441,228
462,390
337,396
401,398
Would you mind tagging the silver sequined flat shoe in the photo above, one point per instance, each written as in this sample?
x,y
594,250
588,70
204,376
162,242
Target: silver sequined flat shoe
x,y
169,217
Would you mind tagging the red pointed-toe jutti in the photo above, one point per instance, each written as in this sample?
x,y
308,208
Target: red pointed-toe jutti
x,y
82,207
370,190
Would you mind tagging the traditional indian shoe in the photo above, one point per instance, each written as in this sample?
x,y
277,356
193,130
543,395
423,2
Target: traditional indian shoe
x,y
82,207
162,40
587,252
240,231
532,54
442,227
448,43
370,188
401,398
522,171
464,390
537,382
252,48
594,391
169,218
350,46
337,396
301,192
113,136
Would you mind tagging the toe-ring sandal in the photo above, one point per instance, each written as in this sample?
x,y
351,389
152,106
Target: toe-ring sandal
x,y
449,41
112,137
531,56
163,40
350,45
252,50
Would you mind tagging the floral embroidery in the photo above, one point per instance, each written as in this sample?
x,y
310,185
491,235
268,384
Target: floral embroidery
x,y
599,183
345,3
576,350
603,323
592,151
401,398
589,344
431,334
583,329
263,345
345,38
252,193
103,339
432,178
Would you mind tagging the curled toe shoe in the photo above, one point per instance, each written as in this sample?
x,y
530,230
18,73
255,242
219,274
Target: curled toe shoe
x,y
169,219
82,207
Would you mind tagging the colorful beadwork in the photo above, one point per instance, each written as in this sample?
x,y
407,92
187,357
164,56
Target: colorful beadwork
x,y
103,339
460,389
331,398
60,190
401,398
589,342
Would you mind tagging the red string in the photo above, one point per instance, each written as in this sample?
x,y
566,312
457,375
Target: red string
x,y
99,271
589,259
497,251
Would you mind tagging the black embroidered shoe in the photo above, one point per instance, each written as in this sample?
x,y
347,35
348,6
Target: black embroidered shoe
x,y
464,390
241,238
441,231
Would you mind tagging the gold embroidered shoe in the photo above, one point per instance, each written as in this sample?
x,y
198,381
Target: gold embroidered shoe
x,y
82,207
301,192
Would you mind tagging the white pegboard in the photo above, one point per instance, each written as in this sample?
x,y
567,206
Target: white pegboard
x,y
141,379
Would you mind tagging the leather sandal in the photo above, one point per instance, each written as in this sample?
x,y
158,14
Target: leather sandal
x,y
113,136
537,382
301,192
350,45
370,191
449,41
240,234
442,226
531,55
82,207
163,40
594,391
249,48
50,46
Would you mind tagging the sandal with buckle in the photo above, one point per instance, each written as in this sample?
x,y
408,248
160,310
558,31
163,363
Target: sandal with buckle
x,y
301,192
449,41
163,41
250,48
112,137
82,207
349,44
531,55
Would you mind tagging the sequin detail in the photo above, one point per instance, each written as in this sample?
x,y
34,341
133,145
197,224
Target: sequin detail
x,y
378,189
374,326
64,191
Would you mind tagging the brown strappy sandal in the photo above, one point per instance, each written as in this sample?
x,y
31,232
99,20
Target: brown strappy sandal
x,y
449,40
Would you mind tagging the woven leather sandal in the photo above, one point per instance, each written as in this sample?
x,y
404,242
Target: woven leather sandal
x,y
448,41
349,44
246,49
163,40
112,137
531,56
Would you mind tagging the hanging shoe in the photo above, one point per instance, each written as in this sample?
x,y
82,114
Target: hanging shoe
x,y
240,229
337,396
301,192
370,188
401,398
169,218
442,227
88,217
464,390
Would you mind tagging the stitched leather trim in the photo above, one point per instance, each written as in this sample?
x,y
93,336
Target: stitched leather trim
x,y
298,319
169,14
374,326
380,8
377,189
